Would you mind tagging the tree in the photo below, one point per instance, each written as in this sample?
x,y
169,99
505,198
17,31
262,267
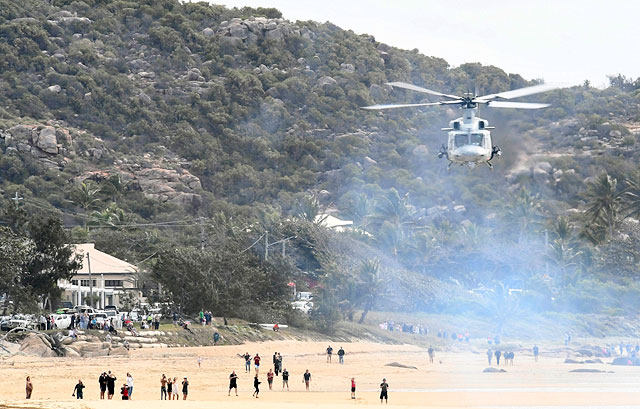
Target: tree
x,y
371,286
604,205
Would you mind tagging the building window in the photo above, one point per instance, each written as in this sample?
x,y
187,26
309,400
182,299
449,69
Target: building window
x,y
85,283
113,283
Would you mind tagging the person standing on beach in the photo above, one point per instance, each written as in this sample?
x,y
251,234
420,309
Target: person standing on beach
x,y
384,394
432,354
29,387
169,388
306,378
278,363
329,353
176,392
199,362
536,352
353,388
247,362
275,362
341,356
256,386
233,383
256,361
285,379
185,388
77,391
102,381
270,379
130,384
163,388
489,355
498,354
111,385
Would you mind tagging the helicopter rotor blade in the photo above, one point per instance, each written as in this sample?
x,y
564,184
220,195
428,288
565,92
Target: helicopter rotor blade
x,y
392,106
519,105
412,87
520,92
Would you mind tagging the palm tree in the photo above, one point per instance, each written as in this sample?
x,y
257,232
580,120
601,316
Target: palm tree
x,y
524,213
564,251
604,207
371,284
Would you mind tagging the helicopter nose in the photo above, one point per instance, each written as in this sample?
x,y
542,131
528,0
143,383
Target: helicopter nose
x,y
470,152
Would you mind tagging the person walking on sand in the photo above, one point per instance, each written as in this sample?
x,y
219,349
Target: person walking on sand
x,y
329,353
536,352
489,355
384,394
130,385
256,361
77,391
233,383
185,388
431,353
270,379
29,387
163,388
306,378
102,381
256,385
278,363
353,388
285,379
341,356
199,362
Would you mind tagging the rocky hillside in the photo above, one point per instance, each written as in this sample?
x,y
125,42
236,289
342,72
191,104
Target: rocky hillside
x,y
125,117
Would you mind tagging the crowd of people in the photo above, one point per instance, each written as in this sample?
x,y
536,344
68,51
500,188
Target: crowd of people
x,y
404,327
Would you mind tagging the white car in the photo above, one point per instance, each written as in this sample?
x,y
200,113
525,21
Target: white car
x,y
62,321
304,306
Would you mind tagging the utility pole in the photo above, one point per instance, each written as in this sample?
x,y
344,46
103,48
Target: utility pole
x,y
266,245
202,236
90,280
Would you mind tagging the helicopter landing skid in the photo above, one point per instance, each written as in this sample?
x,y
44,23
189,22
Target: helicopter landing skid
x,y
489,164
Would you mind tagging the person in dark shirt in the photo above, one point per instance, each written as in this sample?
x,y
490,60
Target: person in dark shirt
x,y
285,379
185,388
431,353
111,385
233,383
306,378
384,387
341,355
498,354
102,381
536,352
329,353
256,385
77,391
247,362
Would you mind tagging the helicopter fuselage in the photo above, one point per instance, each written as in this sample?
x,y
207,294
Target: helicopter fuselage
x,y
469,140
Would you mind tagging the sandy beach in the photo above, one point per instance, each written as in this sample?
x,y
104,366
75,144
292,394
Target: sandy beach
x,y
454,380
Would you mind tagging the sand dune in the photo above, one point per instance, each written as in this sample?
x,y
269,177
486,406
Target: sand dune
x,y
456,382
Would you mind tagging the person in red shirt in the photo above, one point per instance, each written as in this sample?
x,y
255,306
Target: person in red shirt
x,y
256,361
353,388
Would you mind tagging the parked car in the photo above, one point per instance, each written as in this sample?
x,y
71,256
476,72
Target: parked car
x,y
304,306
62,321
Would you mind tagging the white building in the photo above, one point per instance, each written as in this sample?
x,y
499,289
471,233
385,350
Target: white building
x,y
111,278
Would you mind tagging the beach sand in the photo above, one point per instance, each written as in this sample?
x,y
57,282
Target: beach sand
x,y
458,381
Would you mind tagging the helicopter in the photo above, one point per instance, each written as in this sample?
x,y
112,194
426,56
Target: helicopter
x,y
469,136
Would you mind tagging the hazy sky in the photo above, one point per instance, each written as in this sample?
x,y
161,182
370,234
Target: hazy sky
x,y
564,41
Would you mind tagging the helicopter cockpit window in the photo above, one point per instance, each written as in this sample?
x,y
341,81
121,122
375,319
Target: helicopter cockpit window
x,y
462,139
476,139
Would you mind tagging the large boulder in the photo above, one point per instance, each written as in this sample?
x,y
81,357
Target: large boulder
x,y
46,140
37,345
626,361
493,370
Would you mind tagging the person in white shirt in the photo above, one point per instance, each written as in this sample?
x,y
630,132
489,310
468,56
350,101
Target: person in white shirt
x,y
130,384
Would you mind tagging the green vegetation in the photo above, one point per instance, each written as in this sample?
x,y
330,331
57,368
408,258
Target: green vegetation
x,y
156,128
